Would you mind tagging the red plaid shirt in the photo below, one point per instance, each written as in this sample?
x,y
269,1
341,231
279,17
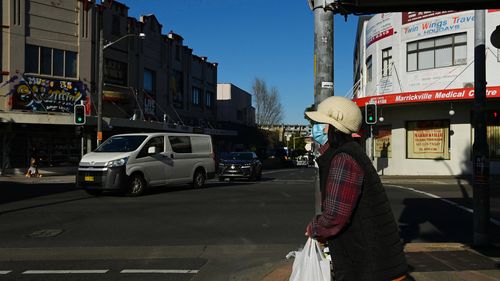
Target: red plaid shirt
x,y
343,188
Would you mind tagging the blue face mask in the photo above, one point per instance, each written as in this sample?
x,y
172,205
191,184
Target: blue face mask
x,y
318,133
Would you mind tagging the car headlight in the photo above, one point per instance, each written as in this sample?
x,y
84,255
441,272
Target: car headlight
x,y
117,162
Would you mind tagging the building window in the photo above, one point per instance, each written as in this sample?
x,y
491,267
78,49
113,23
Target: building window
x,y
32,59
50,61
115,27
149,81
196,96
369,72
70,64
208,99
58,62
493,133
383,142
115,72
177,53
46,61
437,52
428,139
386,62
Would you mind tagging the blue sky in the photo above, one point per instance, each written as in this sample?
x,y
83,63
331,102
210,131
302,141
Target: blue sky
x,y
268,39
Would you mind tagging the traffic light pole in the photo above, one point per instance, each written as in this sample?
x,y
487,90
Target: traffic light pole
x,y
323,67
480,151
100,48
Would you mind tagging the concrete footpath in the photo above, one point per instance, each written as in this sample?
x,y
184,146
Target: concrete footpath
x,y
439,261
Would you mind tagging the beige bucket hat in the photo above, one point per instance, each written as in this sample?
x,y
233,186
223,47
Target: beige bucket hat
x,y
340,112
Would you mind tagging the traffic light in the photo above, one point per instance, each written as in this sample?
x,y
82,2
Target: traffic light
x,y
371,113
79,114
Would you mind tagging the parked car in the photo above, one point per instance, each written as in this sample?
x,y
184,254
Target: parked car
x,y
301,161
277,158
240,165
133,162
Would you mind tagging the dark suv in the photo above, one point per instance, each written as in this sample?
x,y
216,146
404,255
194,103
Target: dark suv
x,y
239,165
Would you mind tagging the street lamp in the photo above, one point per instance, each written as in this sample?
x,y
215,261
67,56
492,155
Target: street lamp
x,y
100,77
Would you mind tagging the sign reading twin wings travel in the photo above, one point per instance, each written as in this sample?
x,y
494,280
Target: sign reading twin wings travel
x,y
432,24
428,96
409,17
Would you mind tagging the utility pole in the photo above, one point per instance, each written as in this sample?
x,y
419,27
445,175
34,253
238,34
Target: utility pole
x,y
100,47
480,151
323,64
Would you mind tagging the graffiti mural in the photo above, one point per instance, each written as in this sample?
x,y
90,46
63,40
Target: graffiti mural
x,y
40,94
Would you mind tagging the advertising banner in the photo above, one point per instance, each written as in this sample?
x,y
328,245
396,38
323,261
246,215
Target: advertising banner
x,y
428,96
428,139
409,17
53,95
379,27
449,23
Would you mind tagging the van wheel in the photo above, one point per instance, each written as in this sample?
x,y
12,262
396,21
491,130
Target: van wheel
x,y
94,192
137,185
199,178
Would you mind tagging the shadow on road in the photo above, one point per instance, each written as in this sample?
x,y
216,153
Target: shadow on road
x,y
210,184
15,191
433,220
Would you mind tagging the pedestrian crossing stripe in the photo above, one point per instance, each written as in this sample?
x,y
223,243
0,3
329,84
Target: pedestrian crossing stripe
x,y
100,271
103,271
5,271
181,271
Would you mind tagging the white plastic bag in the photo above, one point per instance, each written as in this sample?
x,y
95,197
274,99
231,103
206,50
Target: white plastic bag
x,y
310,264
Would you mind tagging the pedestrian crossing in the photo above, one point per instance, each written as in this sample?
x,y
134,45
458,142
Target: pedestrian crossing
x,y
102,271
178,269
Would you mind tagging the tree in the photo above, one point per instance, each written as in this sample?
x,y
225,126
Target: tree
x,y
268,108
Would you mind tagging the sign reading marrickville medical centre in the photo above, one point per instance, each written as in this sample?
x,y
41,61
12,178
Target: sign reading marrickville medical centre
x,y
428,96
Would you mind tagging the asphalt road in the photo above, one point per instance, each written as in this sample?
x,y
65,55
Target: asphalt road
x,y
226,231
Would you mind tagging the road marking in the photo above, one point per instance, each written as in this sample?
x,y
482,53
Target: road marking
x,y
5,271
307,181
65,271
164,271
278,171
492,220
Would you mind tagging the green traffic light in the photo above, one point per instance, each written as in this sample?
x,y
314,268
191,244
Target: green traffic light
x,y
370,118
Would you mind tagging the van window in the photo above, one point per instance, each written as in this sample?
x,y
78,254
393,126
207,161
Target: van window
x,y
121,144
156,142
200,144
180,144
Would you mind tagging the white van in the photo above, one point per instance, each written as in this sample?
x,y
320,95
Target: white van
x,y
132,162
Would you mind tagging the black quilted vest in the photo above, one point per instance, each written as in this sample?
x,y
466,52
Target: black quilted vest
x,y
369,247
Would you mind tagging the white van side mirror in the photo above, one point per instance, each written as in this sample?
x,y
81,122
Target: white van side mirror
x,y
152,150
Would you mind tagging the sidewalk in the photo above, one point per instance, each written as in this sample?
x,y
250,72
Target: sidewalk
x,y
45,171
439,261
433,262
